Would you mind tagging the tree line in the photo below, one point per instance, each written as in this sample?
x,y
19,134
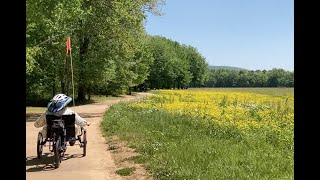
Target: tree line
x,y
179,66
248,78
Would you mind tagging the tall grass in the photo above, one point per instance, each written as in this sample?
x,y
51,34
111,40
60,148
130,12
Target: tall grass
x,y
175,145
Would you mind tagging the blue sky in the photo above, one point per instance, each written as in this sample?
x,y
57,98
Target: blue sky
x,y
251,34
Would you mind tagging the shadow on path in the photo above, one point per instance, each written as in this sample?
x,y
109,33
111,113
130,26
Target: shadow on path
x,y
46,162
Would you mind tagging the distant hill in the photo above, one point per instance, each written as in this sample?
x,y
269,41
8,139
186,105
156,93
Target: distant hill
x,y
227,67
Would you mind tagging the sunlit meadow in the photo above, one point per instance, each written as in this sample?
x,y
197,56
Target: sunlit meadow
x,y
244,110
210,134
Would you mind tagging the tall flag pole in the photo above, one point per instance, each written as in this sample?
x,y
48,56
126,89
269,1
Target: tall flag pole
x,y
69,52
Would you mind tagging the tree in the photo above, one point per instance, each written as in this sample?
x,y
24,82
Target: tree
x,y
275,76
175,65
198,66
107,39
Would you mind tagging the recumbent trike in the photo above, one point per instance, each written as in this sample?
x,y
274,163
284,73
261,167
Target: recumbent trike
x,y
61,130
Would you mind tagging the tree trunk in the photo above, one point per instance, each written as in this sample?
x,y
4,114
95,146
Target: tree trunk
x,y
84,42
129,91
53,87
62,86
89,92
64,80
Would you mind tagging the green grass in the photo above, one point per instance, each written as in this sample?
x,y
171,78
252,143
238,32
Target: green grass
x,y
178,147
126,171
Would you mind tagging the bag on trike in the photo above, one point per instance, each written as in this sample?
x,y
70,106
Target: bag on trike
x,y
57,126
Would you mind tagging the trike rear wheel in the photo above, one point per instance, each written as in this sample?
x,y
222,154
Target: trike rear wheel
x,y
84,143
39,145
57,153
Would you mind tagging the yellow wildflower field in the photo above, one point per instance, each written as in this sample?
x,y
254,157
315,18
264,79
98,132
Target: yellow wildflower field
x,y
242,110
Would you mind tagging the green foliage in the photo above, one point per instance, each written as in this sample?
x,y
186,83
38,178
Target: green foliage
x,y
245,78
175,65
32,52
198,67
108,41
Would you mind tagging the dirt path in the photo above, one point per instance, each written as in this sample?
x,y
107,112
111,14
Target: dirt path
x,y
97,165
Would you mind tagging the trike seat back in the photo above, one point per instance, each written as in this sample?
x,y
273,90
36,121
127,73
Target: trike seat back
x,y
68,124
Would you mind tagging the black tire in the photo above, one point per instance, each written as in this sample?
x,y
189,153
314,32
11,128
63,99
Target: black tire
x,y
57,154
39,145
84,142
